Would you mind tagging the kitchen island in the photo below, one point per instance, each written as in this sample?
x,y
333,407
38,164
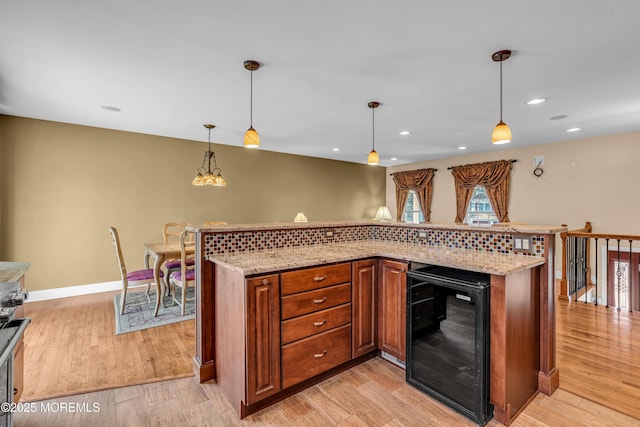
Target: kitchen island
x,y
283,306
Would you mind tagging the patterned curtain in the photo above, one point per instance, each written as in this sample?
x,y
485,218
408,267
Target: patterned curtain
x,y
421,181
493,176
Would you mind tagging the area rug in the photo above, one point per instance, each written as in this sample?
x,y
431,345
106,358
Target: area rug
x,y
138,313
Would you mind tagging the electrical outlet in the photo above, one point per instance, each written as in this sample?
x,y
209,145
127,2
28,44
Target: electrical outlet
x,y
517,243
422,234
328,233
538,160
525,245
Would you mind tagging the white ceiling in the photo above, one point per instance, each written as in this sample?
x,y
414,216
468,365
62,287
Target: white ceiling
x,y
171,66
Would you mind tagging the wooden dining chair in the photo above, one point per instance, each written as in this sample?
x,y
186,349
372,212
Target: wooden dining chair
x,y
186,275
209,223
131,278
171,232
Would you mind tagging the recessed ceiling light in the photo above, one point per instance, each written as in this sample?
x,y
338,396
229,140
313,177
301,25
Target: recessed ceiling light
x,y
560,117
405,132
536,101
110,108
335,149
393,159
573,130
462,147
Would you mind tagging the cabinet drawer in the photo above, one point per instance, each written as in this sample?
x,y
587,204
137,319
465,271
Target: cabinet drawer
x,y
314,278
308,302
311,356
315,323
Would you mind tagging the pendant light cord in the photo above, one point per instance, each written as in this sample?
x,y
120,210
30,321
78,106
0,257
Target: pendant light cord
x,y
209,153
501,90
373,129
251,102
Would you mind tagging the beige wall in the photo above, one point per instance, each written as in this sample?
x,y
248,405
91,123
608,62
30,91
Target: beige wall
x,y
592,179
63,185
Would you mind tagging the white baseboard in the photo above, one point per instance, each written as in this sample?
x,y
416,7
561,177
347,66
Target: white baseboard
x,y
72,291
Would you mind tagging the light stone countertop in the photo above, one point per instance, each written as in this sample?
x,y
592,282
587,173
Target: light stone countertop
x,y
500,228
272,260
12,271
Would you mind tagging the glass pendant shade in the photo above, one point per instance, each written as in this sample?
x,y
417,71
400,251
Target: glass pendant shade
x,y
373,158
251,138
198,180
501,133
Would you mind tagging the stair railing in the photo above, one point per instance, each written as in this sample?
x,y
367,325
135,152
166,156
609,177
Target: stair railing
x,y
577,266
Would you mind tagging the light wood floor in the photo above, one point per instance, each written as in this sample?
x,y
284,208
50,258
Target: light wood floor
x,y
598,354
72,347
371,394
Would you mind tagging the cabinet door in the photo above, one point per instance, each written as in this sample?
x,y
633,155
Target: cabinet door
x,y
263,337
363,303
392,318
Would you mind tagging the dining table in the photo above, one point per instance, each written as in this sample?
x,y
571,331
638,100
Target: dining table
x,y
161,252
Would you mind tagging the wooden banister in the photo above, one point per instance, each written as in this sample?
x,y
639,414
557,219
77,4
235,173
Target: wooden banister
x,y
583,232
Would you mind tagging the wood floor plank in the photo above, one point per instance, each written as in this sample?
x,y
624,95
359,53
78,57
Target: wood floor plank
x,y
71,347
598,352
185,402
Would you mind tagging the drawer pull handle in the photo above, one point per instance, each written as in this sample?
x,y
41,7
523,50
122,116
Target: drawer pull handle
x,y
319,301
265,282
319,355
318,324
319,278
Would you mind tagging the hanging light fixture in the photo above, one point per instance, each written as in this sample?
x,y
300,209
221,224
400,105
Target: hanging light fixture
x,y
208,176
373,158
251,138
501,133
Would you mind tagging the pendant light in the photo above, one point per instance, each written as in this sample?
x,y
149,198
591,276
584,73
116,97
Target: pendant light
x,y
373,158
251,138
501,133
208,176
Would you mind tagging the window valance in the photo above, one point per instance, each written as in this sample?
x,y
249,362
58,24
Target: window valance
x,y
421,181
493,176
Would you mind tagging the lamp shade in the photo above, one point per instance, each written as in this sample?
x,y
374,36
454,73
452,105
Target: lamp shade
x,y
373,158
383,214
501,133
300,217
251,138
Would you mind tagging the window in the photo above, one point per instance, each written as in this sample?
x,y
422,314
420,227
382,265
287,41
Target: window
x,y
412,211
480,211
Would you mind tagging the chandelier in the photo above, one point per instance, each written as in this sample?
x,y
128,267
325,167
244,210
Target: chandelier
x,y
208,176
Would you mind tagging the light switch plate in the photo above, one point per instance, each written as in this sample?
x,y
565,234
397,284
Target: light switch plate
x,y
522,244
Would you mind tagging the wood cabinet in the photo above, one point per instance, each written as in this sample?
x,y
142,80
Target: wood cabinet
x,y
392,298
515,342
263,337
247,337
316,321
363,300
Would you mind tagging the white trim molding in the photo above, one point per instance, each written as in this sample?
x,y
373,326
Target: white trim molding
x,y
72,291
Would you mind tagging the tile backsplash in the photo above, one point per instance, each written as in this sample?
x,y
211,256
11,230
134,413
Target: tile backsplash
x,y
251,240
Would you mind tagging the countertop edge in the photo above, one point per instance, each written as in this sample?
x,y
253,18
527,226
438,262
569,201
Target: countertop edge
x,y
501,228
11,271
516,263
